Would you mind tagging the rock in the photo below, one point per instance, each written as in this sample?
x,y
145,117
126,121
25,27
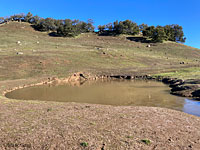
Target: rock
x,y
172,81
176,83
184,93
185,90
116,76
180,88
168,80
128,77
77,77
196,93
19,53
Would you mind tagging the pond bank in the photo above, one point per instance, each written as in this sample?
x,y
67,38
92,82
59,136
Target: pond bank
x,y
186,88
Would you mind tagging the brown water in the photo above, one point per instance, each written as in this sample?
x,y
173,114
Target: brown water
x,y
120,93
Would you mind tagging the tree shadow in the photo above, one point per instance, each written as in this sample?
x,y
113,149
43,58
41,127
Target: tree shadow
x,y
139,39
107,33
37,29
54,34
34,27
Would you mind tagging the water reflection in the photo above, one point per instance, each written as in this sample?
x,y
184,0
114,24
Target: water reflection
x,y
126,93
192,107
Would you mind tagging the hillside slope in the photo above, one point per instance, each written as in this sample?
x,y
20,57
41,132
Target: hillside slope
x,y
25,52
28,56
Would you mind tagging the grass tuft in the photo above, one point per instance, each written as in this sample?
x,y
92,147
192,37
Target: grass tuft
x,y
84,144
49,109
146,141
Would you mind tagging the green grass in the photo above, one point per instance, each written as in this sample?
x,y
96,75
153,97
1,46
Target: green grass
x,y
188,73
146,141
84,144
49,109
129,137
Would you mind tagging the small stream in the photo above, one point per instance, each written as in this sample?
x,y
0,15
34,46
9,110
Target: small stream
x,y
113,92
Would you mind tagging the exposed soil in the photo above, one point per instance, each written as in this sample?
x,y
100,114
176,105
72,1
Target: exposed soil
x,y
51,125
37,125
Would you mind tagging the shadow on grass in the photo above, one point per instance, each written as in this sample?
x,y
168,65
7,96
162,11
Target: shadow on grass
x,y
140,39
54,34
107,34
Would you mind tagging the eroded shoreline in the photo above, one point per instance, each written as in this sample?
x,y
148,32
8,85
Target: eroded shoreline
x,y
189,88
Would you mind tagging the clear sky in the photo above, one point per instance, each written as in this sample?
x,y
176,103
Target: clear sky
x,y
152,12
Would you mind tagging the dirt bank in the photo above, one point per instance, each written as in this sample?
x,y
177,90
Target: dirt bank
x,y
188,88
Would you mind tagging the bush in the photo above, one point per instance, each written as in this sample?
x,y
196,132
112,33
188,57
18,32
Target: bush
x,y
168,32
71,28
116,28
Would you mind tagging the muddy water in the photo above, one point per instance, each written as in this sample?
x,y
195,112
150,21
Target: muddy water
x,y
126,93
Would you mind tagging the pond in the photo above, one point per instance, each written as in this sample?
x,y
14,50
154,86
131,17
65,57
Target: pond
x,y
113,92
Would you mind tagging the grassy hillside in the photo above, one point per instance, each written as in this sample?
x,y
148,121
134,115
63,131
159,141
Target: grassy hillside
x,y
29,55
44,55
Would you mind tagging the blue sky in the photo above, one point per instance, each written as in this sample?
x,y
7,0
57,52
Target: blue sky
x,y
152,12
